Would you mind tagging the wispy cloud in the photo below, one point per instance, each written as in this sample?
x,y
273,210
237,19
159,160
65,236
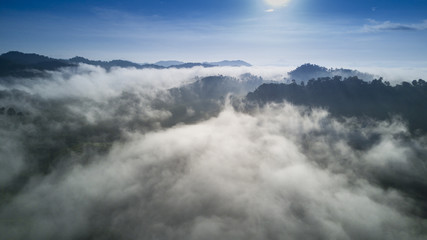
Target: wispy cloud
x,y
269,10
375,26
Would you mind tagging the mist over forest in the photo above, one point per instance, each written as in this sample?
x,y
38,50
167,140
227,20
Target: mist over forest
x,y
113,150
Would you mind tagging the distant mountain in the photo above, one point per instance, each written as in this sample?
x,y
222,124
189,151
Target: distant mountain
x,y
113,63
178,64
25,58
30,64
309,71
168,63
215,87
233,63
190,65
23,64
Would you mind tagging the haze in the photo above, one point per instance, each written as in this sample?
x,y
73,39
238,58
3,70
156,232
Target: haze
x,y
329,32
214,119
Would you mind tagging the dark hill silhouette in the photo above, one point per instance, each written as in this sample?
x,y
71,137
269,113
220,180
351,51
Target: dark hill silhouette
x,y
206,96
20,64
113,63
179,64
168,63
26,58
353,97
215,87
309,71
190,65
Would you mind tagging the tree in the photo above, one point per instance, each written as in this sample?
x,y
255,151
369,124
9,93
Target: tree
x,y
11,112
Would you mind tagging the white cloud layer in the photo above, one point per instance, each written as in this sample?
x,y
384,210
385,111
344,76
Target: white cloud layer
x,y
236,176
277,172
98,84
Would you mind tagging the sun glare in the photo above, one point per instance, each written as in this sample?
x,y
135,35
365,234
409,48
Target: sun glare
x,y
277,3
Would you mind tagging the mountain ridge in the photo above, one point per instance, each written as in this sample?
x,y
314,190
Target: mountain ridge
x,y
20,64
309,71
352,97
15,63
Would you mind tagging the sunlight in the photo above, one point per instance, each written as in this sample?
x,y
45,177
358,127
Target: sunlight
x,y
277,3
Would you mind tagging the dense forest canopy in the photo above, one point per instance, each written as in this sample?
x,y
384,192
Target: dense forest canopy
x,y
353,97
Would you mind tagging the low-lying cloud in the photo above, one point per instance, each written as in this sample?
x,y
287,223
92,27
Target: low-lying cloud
x,y
98,84
117,171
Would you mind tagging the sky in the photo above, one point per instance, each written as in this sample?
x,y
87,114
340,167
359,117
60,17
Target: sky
x,y
364,33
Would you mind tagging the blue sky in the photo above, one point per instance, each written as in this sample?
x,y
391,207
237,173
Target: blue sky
x,y
279,32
